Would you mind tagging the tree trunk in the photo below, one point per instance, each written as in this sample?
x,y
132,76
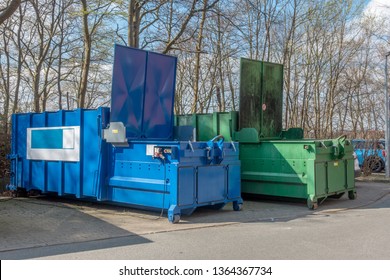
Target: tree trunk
x,y
221,88
134,23
197,60
20,61
86,59
5,77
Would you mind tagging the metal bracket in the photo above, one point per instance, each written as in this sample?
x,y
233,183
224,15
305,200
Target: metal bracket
x,y
116,134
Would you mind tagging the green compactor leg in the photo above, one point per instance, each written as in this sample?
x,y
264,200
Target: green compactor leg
x,y
312,203
352,195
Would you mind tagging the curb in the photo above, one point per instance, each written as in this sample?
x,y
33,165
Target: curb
x,y
378,179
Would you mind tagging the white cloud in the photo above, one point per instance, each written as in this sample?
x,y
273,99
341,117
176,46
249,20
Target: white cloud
x,y
378,7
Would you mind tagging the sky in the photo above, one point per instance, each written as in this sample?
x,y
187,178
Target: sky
x,y
379,7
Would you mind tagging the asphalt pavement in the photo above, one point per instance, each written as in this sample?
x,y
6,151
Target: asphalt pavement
x,y
54,228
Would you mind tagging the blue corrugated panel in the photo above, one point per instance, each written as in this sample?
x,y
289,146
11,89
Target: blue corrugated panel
x,y
159,93
81,178
143,87
128,87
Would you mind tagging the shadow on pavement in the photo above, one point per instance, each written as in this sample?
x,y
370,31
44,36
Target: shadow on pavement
x,y
59,249
31,227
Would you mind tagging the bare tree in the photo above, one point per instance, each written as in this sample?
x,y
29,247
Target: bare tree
x,y
5,76
92,19
87,56
197,59
45,26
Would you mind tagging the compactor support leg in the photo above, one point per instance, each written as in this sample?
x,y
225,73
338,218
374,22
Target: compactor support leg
x,y
352,195
174,214
312,203
237,205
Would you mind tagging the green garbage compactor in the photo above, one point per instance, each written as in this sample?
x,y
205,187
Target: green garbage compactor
x,y
274,161
307,169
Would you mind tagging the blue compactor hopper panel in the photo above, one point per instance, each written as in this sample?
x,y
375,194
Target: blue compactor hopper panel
x,y
126,155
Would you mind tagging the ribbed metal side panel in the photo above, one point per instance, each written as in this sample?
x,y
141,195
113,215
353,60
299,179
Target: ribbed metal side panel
x,y
81,178
143,88
261,97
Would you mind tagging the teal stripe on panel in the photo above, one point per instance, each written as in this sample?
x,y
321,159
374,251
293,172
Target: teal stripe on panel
x,y
47,139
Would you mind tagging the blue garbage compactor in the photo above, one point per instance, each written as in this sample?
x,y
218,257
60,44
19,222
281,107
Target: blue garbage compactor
x,y
63,152
126,154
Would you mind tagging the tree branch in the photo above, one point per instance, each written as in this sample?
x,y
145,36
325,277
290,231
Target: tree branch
x,y
8,12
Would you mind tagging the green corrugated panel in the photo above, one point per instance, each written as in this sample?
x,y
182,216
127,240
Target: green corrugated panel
x,y
182,120
210,125
272,100
261,97
250,93
204,127
225,124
